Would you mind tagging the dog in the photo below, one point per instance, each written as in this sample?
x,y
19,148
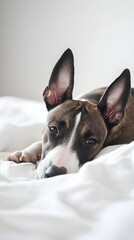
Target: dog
x,y
77,129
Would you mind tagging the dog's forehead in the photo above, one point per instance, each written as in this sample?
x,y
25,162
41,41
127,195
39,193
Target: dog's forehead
x,y
65,110
70,109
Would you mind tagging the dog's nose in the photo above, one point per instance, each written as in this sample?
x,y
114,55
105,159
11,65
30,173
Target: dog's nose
x,y
54,171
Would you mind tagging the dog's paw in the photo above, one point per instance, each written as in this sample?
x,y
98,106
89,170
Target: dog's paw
x,y
22,156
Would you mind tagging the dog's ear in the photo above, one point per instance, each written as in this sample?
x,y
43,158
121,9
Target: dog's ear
x,y
113,102
61,82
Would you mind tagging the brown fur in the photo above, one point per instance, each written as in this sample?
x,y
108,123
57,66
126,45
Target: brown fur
x,y
124,131
105,117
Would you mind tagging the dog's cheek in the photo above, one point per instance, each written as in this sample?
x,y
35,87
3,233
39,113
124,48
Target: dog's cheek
x,y
46,147
73,163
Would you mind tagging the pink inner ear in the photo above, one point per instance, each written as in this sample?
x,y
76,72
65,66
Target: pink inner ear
x,y
113,112
54,95
63,81
51,97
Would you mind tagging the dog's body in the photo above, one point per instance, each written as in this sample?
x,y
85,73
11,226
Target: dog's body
x,y
76,130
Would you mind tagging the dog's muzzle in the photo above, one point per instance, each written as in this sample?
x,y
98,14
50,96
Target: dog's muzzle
x,y
53,170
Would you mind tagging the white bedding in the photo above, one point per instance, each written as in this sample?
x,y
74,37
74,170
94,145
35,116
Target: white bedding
x,y
97,203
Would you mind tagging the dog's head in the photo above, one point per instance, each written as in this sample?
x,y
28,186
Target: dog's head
x,y
76,130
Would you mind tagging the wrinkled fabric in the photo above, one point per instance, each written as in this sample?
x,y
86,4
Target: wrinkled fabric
x,y
97,203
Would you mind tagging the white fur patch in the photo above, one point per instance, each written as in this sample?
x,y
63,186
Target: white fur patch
x,y
61,156
78,117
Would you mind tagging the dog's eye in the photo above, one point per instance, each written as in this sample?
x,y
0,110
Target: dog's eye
x,y
53,129
91,141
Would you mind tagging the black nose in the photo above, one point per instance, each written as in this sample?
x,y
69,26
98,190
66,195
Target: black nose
x,y
54,171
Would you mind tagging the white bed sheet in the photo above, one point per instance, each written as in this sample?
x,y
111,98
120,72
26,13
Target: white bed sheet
x,y
96,203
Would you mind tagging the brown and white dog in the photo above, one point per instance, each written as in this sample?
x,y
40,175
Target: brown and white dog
x,y
76,130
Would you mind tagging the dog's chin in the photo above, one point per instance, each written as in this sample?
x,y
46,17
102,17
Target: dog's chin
x,y
60,158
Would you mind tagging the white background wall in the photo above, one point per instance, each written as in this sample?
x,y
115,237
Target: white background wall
x,y
34,33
